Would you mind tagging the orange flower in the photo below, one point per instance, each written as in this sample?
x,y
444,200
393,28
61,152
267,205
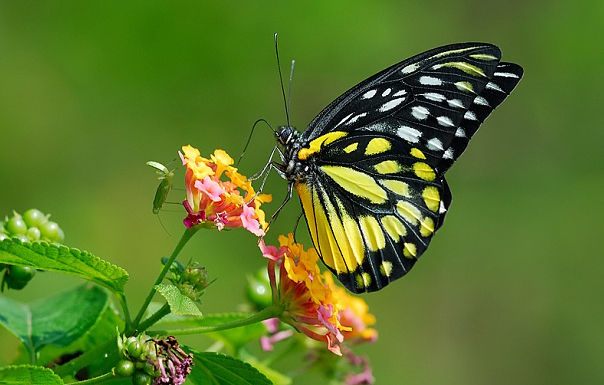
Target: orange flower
x,y
221,203
312,303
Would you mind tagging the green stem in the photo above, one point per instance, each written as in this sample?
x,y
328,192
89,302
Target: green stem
x,y
95,380
183,241
266,313
164,310
122,300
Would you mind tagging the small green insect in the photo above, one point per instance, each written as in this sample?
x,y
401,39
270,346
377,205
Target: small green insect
x,y
165,185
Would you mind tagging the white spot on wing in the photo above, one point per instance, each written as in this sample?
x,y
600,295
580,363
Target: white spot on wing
x,y
369,94
387,92
442,208
460,133
506,75
420,112
409,133
448,154
391,104
410,68
343,120
469,115
400,93
493,86
435,144
356,117
430,81
482,101
434,96
455,103
445,121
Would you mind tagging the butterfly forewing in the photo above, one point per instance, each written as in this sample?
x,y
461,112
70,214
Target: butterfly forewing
x,y
374,190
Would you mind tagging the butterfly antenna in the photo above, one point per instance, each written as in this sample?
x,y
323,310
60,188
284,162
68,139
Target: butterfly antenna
x,y
281,80
289,90
250,138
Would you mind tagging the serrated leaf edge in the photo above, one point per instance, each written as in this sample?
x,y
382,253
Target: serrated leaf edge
x,y
229,358
27,366
52,251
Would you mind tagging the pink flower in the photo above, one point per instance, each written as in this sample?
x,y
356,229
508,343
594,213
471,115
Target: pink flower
x,y
210,188
271,252
249,222
267,341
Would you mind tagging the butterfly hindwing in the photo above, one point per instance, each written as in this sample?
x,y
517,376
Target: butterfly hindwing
x,y
372,205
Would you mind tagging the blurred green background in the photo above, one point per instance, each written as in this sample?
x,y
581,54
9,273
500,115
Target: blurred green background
x,y
511,288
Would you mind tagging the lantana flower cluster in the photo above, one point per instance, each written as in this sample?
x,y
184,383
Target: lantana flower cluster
x,y
312,302
218,195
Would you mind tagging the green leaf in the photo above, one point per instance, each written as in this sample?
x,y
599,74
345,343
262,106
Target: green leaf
x,y
28,374
54,257
219,369
234,339
179,303
102,331
58,320
276,377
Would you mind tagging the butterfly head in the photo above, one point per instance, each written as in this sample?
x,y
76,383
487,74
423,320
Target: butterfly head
x,y
286,135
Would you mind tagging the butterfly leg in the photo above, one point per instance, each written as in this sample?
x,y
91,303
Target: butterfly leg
x,y
266,166
296,225
290,190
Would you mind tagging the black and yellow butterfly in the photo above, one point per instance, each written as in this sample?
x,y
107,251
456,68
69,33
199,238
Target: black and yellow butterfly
x,y
369,169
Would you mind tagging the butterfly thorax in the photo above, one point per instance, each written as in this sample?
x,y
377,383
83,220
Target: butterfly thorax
x,y
293,169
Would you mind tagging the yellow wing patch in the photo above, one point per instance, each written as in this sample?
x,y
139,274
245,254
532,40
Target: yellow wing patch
x,y
377,146
388,167
409,212
386,268
396,186
416,152
431,198
394,227
424,171
426,227
352,233
325,242
339,241
315,145
363,280
351,147
409,250
372,233
357,183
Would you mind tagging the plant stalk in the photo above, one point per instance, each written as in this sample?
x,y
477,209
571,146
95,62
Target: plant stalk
x,y
264,314
159,314
96,380
122,300
183,241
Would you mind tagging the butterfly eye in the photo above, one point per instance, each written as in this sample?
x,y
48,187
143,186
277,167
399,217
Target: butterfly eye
x,y
285,134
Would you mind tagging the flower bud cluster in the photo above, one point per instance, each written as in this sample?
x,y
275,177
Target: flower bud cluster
x,y
150,361
191,280
32,226
138,357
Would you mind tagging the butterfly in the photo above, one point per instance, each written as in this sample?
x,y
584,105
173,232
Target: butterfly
x,y
370,167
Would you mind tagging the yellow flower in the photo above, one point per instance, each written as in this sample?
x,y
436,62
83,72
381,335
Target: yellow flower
x,y
213,200
312,302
